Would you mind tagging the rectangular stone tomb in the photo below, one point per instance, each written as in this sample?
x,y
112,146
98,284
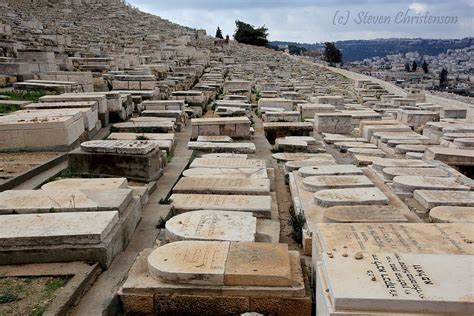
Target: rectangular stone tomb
x,y
30,132
364,214
396,283
222,263
235,278
227,163
212,225
432,198
137,160
352,238
213,147
60,237
329,170
450,156
408,184
65,199
318,183
223,186
354,196
337,123
259,206
234,127
164,141
164,126
251,173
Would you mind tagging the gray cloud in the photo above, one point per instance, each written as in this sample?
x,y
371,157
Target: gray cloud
x,y
311,20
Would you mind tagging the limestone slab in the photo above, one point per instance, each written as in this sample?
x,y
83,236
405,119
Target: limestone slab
x,y
56,228
380,163
392,172
452,214
190,262
326,170
318,183
215,139
262,264
395,237
137,147
354,196
410,283
295,156
212,225
227,163
409,184
260,206
364,214
450,156
80,200
295,165
241,148
224,155
432,198
346,145
222,186
366,152
252,173
91,184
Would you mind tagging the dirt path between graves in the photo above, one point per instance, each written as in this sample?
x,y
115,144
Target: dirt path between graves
x,y
281,189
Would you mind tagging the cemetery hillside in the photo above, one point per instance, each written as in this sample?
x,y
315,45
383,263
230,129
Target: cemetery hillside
x,y
149,168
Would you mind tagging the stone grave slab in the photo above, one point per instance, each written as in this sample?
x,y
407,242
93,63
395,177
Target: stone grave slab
x,y
408,184
452,214
392,172
190,262
258,264
131,147
215,139
260,206
414,155
212,225
224,155
55,229
91,184
380,163
353,196
318,183
335,138
154,126
326,170
364,214
364,160
235,127
297,156
343,146
464,143
127,161
432,198
352,238
227,163
239,148
295,165
404,148
47,201
403,283
366,152
252,173
333,123
222,186
450,156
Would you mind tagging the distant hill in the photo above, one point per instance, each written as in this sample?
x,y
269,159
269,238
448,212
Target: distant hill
x,y
360,49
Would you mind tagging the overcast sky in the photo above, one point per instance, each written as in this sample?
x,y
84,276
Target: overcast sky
x,y
313,21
